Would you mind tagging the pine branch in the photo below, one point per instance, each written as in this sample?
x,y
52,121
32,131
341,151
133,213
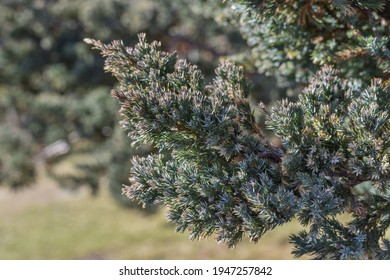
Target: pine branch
x,y
210,132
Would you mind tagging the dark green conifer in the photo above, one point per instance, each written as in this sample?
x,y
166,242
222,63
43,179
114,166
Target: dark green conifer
x,y
217,172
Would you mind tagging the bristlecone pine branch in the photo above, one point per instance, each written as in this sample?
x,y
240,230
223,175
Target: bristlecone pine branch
x,y
219,175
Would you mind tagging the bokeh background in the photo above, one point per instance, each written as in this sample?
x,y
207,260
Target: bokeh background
x,y
63,155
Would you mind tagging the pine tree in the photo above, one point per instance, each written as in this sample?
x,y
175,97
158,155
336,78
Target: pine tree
x,y
218,173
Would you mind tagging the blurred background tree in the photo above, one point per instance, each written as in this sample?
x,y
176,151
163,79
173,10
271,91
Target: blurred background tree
x,y
55,111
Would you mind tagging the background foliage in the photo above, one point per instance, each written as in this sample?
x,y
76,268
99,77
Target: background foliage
x,y
55,111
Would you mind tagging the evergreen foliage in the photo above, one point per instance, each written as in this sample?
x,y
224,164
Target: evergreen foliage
x,y
217,172
294,39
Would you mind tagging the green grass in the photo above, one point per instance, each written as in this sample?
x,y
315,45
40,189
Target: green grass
x,y
46,222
